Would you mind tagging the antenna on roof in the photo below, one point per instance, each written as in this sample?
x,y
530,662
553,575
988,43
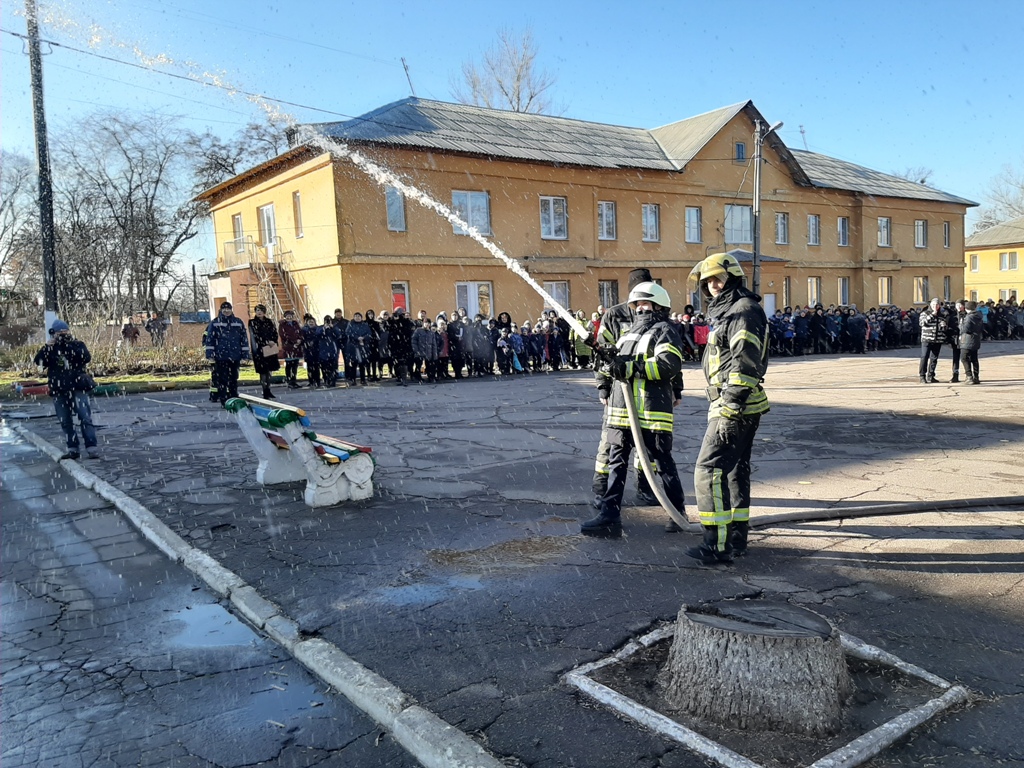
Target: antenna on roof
x,y
803,134
408,76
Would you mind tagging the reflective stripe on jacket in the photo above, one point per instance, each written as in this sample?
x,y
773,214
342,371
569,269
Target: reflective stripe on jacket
x,y
736,357
654,345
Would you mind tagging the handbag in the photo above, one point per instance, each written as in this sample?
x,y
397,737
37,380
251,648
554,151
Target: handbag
x,y
270,350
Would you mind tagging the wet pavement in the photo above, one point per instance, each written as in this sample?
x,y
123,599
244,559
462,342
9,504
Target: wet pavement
x,y
114,656
464,581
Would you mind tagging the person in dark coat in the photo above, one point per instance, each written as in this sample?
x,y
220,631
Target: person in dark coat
x,y
456,331
357,349
328,349
971,331
311,334
227,344
373,363
291,345
857,325
933,335
264,344
64,359
400,330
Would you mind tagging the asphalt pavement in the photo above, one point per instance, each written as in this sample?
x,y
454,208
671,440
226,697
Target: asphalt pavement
x,y
465,584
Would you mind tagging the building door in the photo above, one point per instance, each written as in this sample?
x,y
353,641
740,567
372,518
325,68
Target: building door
x,y
475,297
769,304
268,230
400,295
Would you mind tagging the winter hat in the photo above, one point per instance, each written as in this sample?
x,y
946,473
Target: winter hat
x,y
225,305
58,326
638,276
399,310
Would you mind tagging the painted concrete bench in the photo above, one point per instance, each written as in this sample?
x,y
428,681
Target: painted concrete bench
x,y
289,450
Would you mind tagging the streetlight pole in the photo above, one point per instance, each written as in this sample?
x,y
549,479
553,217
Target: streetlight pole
x,y
759,137
43,161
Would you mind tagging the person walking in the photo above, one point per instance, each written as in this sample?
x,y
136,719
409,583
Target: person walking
x,y
264,345
971,330
227,344
649,359
734,363
933,336
65,359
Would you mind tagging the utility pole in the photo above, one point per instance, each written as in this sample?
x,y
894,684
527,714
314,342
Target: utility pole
x,y
759,137
43,161
408,77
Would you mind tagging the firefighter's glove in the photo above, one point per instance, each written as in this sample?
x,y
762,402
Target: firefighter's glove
x,y
728,429
621,368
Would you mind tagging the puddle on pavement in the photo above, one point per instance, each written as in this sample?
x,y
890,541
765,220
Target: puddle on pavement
x,y
516,553
433,592
210,626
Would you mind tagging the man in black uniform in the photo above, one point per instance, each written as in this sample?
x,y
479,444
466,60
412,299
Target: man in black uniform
x,y
735,362
614,323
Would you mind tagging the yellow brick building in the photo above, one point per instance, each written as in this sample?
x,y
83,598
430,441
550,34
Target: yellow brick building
x,y
992,262
578,204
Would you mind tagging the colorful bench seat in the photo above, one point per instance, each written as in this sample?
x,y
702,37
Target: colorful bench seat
x,y
289,450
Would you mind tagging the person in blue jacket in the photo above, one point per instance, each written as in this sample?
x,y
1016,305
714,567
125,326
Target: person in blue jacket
x,y
227,344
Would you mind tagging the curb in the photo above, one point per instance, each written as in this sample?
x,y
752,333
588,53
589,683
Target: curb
x,y
424,735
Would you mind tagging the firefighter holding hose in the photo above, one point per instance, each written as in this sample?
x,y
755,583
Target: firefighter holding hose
x,y
735,362
648,360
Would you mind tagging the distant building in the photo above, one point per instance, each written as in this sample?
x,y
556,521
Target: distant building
x,y
992,262
578,204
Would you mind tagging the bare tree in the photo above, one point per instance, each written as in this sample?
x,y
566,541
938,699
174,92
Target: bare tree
x,y
1005,199
218,160
18,221
507,78
918,174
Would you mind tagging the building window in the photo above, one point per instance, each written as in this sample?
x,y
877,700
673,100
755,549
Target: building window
x,y
974,295
608,293
475,297
787,291
1005,294
554,219
844,290
782,229
268,229
651,222
921,295
738,224
843,225
813,290
947,235
947,288
474,208
605,220
693,226
1007,261
884,232
740,152
920,233
400,295
813,229
885,290
974,262
297,213
395,202
238,232
559,291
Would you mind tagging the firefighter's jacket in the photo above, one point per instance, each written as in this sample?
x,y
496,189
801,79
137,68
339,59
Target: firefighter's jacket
x,y
653,350
736,356
615,323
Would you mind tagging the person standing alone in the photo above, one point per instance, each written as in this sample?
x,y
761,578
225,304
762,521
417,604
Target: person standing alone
x,y
64,359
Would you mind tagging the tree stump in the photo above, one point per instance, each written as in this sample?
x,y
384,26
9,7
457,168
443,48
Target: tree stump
x,y
757,666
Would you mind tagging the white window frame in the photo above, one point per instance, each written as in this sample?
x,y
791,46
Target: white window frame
x,y
739,232
843,231
974,295
268,228
399,288
239,232
885,290
920,233
884,232
974,262
606,220
781,228
394,205
474,207
813,229
650,217
694,225
608,292
559,291
477,296
297,213
843,289
947,234
1006,293
922,294
1008,261
813,290
551,219
947,288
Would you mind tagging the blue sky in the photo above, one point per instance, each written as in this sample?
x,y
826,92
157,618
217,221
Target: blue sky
x,y
889,85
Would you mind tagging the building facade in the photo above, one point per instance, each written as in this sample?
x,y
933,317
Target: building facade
x,y
992,266
578,205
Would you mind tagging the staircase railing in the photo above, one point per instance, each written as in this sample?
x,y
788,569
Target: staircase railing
x,y
285,264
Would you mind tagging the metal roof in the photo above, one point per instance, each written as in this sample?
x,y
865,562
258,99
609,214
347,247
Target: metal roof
x,y
832,173
427,124
684,139
1008,233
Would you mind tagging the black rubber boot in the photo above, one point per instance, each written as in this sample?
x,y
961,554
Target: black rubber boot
x,y
738,538
602,525
672,526
646,498
708,552
955,379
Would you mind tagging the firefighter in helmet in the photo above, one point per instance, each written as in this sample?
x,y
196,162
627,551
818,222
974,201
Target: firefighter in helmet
x,y
734,363
649,361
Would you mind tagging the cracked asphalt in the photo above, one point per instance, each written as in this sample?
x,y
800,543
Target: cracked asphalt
x,y
464,581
